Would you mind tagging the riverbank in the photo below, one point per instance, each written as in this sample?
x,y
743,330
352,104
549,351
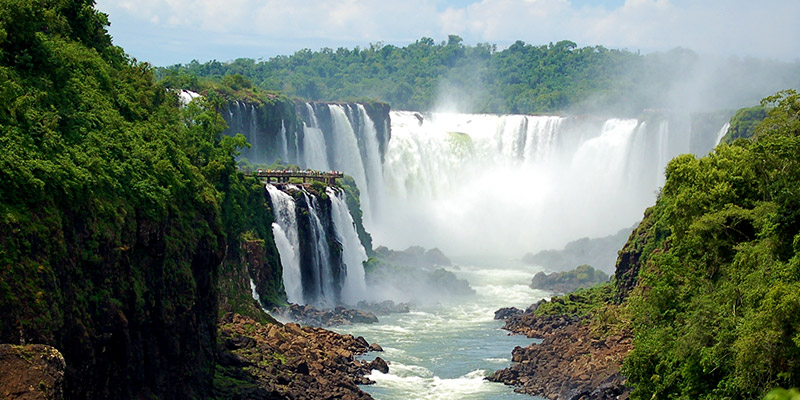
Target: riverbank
x,y
573,361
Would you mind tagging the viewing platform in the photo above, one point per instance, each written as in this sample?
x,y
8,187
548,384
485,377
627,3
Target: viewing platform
x,y
284,175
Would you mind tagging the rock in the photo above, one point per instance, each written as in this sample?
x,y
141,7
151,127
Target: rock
x,y
380,365
506,312
569,363
375,347
310,315
288,362
31,372
383,308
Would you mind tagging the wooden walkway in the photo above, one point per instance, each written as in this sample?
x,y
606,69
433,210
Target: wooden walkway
x,y
284,175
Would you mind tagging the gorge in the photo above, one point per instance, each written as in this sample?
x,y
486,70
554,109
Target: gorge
x,y
457,182
145,252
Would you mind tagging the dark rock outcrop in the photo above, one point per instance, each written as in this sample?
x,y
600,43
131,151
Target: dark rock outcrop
x,y
33,372
310,315
279,362
628,262
571,362
569,281
414,256
507,312
383,308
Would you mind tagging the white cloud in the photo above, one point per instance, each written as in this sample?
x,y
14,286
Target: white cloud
x,y
764,28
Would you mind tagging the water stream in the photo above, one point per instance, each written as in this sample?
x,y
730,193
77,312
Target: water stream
x,y
444,351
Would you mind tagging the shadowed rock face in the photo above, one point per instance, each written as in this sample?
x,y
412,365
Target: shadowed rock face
x,y
34,372
569,363
278,362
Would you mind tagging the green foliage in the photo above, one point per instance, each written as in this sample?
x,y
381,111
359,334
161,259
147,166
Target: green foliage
x,y
744,122
581,303
522,78
716,312
580,277
116,207
783,394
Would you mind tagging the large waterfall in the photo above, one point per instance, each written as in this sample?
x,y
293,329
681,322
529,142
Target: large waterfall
x,y
319,248
473,183
505,184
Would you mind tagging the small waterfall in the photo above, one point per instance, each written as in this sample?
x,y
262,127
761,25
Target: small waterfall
x,y
347,153
372,162
316,153
722,132
255,295
254,138
316,156
284,229
318,282
353,253
284,142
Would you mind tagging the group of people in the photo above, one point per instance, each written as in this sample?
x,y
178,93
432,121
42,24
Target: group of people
x,y
299,172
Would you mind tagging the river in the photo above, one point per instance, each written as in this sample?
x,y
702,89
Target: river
x,y
444,351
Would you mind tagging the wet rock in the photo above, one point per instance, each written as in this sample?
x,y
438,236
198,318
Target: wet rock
x,y
310,315
506,312
31,372
383,308
380,365
375,347
569,362
288,362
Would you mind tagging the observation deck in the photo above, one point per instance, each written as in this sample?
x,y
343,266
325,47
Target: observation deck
x,y
284,175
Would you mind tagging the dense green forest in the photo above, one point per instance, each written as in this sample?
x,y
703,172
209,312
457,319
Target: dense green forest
x,y
716,308
119,209
522,78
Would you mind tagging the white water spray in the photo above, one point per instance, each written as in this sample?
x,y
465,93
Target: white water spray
x,y
284,229
475,184
353,253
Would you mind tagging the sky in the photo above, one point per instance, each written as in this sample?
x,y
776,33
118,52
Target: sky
x,y
166,32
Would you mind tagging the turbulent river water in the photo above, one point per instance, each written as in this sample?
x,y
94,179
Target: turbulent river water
x,y
444,351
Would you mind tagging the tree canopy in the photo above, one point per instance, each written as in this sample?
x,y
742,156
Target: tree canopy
x,y
522,78
716,313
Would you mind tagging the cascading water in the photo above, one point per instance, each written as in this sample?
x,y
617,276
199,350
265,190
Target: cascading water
x,y
353,253
347,154
372,162
722,132
505,184
319,280
284,229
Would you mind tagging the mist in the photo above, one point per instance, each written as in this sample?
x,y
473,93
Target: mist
x,y
478,184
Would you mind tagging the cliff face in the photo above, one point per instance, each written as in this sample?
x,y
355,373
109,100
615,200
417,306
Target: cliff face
x,y
270,125
134,314
114,209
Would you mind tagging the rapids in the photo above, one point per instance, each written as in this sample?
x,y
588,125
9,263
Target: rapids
x,y
444,351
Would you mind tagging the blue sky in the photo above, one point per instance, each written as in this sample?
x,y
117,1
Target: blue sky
x,y
165,32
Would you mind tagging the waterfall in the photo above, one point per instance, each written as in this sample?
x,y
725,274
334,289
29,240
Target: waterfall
x,y
252,134
347,153
474,184
284,142
372,162
722,132
284,229
353,253
306,231
318,282
316,153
